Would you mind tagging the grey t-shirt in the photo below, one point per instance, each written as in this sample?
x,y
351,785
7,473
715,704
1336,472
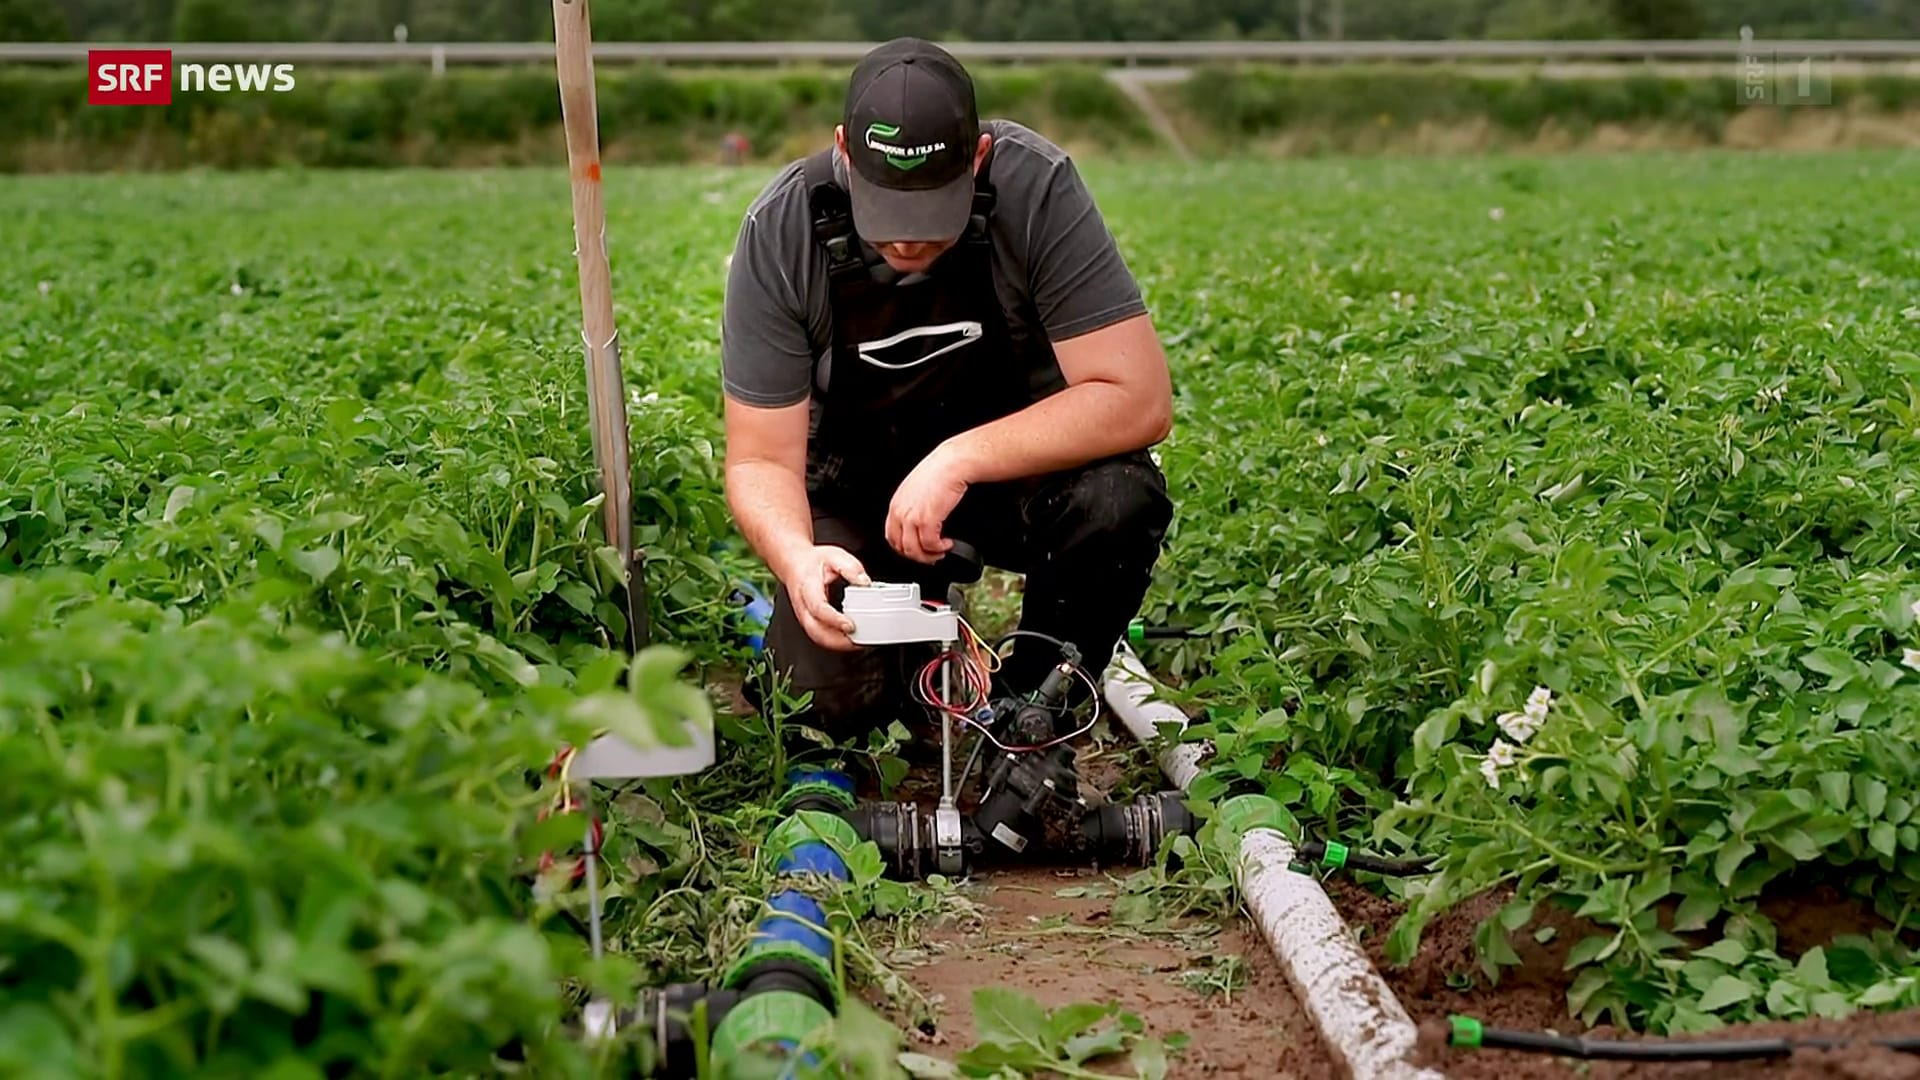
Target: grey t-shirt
x,y
1055,266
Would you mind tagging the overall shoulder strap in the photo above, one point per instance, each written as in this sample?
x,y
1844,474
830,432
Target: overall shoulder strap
x,y
832,217
983,201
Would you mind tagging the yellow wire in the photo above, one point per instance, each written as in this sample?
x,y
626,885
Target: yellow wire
x,y
974,638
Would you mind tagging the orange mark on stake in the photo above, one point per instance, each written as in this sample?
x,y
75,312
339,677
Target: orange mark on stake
x,y
593,171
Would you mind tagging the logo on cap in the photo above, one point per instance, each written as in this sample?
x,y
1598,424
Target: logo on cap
x,y
900,157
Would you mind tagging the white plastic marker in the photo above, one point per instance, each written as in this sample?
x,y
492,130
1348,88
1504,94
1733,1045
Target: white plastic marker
x,y
1363,1024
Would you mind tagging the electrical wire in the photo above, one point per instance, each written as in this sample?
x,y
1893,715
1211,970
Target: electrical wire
x,y
1065,648
975,691
976,666
1055,741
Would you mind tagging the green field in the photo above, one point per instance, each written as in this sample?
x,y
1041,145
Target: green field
x,y
298,579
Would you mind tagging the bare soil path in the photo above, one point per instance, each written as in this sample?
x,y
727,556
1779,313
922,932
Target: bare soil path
x,y
1051,935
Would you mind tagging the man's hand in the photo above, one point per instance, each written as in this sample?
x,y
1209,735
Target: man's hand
x,y
921,505
807,581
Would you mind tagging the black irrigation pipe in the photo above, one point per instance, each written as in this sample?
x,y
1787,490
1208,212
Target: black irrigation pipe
x,y
1335,855
1469,1034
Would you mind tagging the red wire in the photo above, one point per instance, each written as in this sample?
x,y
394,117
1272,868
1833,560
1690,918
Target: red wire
x,y
974,677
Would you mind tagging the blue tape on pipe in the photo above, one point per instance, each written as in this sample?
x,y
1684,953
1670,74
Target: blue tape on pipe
x,y
756,611
795,919
797,776
814,857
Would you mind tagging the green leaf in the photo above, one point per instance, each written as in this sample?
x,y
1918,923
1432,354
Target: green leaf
x,y
1831,1006
1828,661
1773,809
222,956
1585,985
505,662
317,563
1009,1018
1812,968
1835,786
1883,993
1070,1020
1696,911
1150,1060
1726,991
1872,795
1797,844
1593,948
1516,914
34,1043
1882,838
1731,856
1087,1046
1650,890
1726,950
922,1067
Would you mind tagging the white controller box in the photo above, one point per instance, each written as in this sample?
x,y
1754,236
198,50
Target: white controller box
x,y
894,614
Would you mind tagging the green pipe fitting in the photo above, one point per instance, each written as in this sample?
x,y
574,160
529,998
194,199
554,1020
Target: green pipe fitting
x,y
810,826
773,949
760,1023
1243,813
1466,1032
834,792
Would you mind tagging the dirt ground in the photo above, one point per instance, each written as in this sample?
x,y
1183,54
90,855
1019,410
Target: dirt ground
x,y
1533,997
1064,949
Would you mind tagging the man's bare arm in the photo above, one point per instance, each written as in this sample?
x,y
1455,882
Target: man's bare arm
x,y
766,480
767,492
1119,398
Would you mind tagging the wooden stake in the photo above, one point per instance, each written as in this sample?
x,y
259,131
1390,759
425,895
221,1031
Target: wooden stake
x,y
606,394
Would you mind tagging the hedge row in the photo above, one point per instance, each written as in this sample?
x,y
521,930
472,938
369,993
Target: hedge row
x,y
409,117
1230,103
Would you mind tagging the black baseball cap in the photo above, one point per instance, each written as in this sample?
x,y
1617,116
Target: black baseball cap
x,y
912,125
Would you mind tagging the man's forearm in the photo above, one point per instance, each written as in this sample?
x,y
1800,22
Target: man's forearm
x,y
1082,423
770,505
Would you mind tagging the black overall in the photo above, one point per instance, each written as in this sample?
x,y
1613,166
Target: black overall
x,y
909,364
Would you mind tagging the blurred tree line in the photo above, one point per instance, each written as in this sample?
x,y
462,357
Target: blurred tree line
x,y
978,20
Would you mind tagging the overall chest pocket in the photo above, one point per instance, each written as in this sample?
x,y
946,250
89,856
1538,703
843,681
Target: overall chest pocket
x,y
917,345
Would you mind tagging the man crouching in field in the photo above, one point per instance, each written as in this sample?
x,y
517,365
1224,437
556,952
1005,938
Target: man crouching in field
x,y
930,335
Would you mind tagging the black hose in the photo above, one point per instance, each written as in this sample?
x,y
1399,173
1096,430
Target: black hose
x,y
1334,855
1390,867
1468,1033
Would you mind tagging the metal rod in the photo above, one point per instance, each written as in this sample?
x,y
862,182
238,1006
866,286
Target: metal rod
x,y
946,728
593,888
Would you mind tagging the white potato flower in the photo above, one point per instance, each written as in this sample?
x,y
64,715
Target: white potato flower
x,y
1501,756
1502,753
1519,726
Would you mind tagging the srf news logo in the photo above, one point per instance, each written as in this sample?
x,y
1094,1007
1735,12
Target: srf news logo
x,y
147,77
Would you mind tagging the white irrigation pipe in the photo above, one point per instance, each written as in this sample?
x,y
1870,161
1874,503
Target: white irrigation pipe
x,y
1364,1025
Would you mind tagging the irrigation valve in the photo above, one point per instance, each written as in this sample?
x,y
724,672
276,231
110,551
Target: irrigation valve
x,y
1022,784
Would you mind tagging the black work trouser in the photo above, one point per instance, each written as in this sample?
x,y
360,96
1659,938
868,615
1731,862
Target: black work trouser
x,y
1086,540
